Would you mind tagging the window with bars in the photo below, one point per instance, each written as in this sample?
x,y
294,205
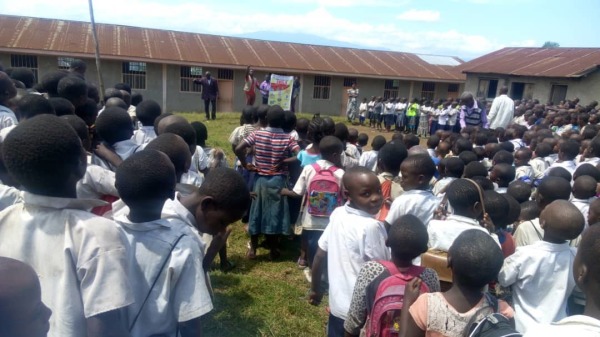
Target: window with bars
x,y
188,75
64,63
390,89
348,81
322,87
225,74
134,74
25,61
428,90
453,87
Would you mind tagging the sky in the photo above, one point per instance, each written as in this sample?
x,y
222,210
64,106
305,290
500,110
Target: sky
x,y
463,28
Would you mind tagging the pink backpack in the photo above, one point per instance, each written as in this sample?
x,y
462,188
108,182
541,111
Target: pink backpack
x,y
384,317
323,192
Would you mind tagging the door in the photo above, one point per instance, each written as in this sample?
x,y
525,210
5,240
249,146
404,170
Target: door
x,y
225,103
516,90
558,93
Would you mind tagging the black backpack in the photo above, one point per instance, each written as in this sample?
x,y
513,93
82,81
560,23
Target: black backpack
x,y
492,325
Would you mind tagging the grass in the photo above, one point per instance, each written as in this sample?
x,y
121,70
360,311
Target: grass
x,y
259,297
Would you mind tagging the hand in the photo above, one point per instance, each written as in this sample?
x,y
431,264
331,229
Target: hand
x,y
250,167
284,192
103,151
253,195
412,291
314,298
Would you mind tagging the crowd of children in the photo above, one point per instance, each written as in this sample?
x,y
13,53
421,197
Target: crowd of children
x,y
93,243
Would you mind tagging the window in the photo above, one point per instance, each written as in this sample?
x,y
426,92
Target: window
x,y
225,74
134,74
520,90
322,87
25,61
428,90
453,87
187,77
487,88
391,89
348,81
64,63
558,93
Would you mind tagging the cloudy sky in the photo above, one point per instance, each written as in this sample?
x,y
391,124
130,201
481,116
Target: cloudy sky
x,y
464,28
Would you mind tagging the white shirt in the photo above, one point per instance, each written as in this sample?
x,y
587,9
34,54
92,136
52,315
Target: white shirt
x,y
144,135
501,112
400,107
542,281
9,196
501,190
180,293
442,233
574,326
5,131
301,187
569,165
192,178
368,159
593,161
80,258
7,117
123,149
524,171
528,232
441,184
199,160
421,204
443,116
517,143
539,166
452,116
583,205
96,182
363,108
352,238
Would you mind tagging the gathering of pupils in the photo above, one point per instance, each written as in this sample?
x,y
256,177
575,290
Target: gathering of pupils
x,y
473,218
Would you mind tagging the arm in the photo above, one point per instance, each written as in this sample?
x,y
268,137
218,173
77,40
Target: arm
x,y
108,154
240,152
315,295
107,324
484,120
408,326
191,328
218,241
509,274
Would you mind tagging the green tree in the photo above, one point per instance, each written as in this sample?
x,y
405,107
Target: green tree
x,y
551,44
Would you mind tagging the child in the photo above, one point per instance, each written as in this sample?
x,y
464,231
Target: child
x,y
519,190
115,129
362,111
389,160
594,212
378,113
425,111
172,305
247,119
432,143
475,260
369,158
453,170
389,114
7,92
370,108
417,199
21,308
538,163
411,115
502,175
269,213
74,89
54,233
498,209
584,191
351,145
400,114
315,133
566,156
146,113
453,117
352,238
407,240
587,277
183,129
62,106
541,274
363,140
523,170
29,106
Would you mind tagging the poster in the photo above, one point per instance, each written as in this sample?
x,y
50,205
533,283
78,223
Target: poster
x,y
281,91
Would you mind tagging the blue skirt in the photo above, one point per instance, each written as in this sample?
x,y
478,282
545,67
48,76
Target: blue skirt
x,y
269,213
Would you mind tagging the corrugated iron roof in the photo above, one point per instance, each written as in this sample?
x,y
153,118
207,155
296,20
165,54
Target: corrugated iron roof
x,y
542,62
61,37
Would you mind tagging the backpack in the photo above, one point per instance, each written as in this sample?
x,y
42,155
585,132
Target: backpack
x,y
384,318
323,192
492,325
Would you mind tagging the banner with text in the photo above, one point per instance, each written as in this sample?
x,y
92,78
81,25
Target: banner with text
x,y
281,91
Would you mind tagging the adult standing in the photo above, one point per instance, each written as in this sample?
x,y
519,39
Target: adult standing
x,y
250,85
210,94
502,110
264,88
472,113
352,103
295,92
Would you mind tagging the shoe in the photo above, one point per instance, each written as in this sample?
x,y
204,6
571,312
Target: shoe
x,y
307,274
302,263
251,254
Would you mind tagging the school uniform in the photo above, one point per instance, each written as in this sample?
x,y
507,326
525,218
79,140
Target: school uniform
x,y
144,135
96,183
517,143
442,233
583,205
593,161
199,160
440,186
189,183
541,279
400,113
551,159
81,259
180,293
123,149
501,190
9,196
443,119
5,131
369,160
421,204
525,171
370,107
577,325
569,165
530,232
7,117
539,166
452,118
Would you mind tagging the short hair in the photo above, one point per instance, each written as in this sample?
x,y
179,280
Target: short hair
x,y
468,157
301,123
24,75
589,250
88,111
112,92
507,146
330,145
62,106
560,172
349,174
93,93
407,237
139,186
116,102
461,145
584,187
519,190
124,87
341,131
261,112
249,114
378,142
227,188
175,148
496,206
454,167
504,172
78,64
529,210
50,81
433,141
275,116
503,157
289,121
201,133
543,149
78,125
183,130
43,153
476,258
410,140
72,88
462,194
587,169
485,183
594,146
147,111
570,149
32,105
474,169
114,125
563,220
514,210
421,163
136,98
363,139
554,188
392,155
479,152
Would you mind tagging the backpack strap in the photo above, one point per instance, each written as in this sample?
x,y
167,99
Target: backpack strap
x,y
492,301
415,271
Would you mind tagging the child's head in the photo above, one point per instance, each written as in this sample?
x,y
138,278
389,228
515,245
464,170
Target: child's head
x,y
497,207
44,154
114,125
147,111
289,121
410,140
468,157
275,117
21,308
586,270
352,136
145,190
363,139
50,81
491,149
475,259
32,105
475,169
519,190
315,131
432,142
24,75
502,174
560,172
417,170
222,199
136,98
543,149
378,142
523,156
261,114
443,149
363,190
455,167
407,238
561,221
584,187
479,152
88,112
568,150
512,216
341,132
201,133
116,102
184,130
503,157
62,106
176,149
331,150
464,197
7,89
594,213
461,145
302,127
552,189
74,89
529,211
390,157
80,128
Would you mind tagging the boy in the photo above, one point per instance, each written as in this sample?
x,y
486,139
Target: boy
x,y
523,170
29,106
352,238
369,158
115,129
502,175
178,295
453,170
417,199
363,140
146,112
566,156
22,311
538,163
74,89
584,192
81,258
7,92
594,212
541,274
519,190
389,160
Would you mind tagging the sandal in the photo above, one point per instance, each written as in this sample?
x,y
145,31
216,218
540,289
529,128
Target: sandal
x,y
251,254
302,263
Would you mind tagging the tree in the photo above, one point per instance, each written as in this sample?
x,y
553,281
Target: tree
x,y
551,44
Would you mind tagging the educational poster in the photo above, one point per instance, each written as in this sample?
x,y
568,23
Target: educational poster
x,y
281,91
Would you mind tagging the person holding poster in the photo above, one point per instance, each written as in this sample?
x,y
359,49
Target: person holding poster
x,y
281,91
250,85
352,103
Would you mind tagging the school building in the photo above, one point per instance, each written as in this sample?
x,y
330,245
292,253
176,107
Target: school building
x,y
546,74
162,64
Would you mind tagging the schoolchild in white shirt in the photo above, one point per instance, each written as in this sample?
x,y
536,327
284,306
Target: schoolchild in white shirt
x,y
568,150
538,162
400,114
502,175
114,127
443,116
453,117
453,169
146,112
584,192
7,92
368,159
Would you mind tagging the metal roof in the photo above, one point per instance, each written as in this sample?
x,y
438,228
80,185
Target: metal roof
x,y
542,62
66,38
